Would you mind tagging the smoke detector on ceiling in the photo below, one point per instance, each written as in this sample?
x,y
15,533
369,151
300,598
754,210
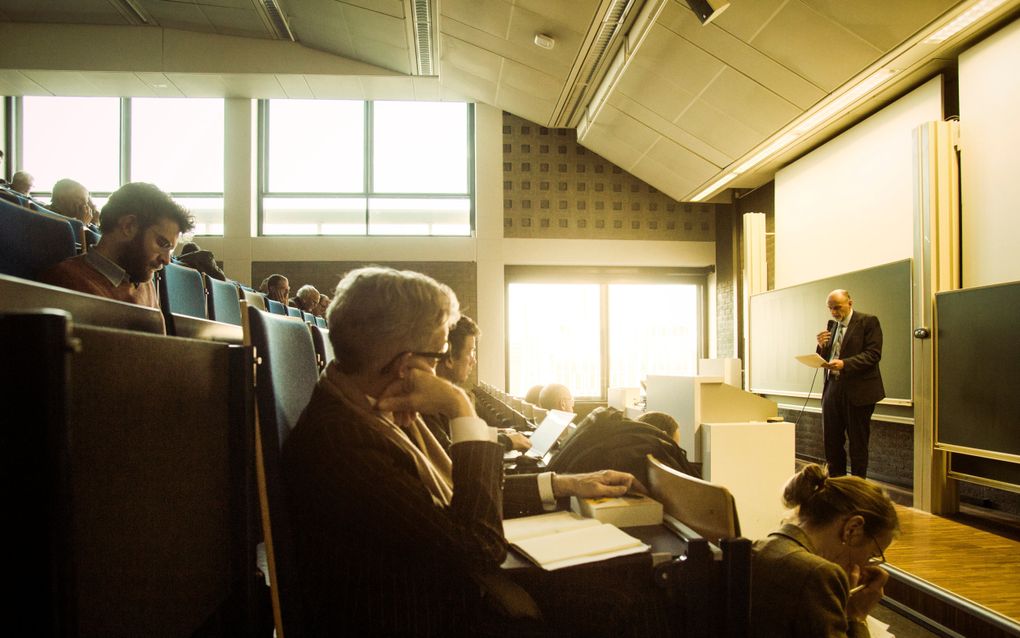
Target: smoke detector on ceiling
x,y
544,41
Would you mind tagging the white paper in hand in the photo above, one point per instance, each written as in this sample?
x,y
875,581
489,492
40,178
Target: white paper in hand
x,y
813,360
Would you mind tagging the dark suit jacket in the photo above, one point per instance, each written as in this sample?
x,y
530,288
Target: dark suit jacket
x,y
798,594
378,555
860,350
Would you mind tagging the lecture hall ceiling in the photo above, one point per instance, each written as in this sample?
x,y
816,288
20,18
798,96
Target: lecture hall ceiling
x,y
673,102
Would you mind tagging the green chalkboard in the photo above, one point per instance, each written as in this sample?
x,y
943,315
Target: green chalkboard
x,y
978,355
784,323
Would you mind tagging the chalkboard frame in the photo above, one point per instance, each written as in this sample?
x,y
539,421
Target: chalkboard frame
x,y
977,356
784,322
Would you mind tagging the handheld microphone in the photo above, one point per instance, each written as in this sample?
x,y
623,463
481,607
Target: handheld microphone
x,y
830,325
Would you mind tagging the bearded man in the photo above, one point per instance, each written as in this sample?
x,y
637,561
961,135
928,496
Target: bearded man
x,y
141,226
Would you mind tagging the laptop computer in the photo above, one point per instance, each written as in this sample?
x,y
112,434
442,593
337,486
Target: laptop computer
x,y
545,436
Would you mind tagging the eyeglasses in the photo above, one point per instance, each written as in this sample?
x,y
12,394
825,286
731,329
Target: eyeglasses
x,y
880,559
427,355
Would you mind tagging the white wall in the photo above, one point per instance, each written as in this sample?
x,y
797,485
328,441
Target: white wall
x,y
239,246
849,204
990,143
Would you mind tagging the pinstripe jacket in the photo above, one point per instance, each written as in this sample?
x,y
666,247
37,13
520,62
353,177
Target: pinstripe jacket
x,y
378,556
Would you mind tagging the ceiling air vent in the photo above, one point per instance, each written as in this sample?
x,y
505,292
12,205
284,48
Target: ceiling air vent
x,y
275,21
603,41
425,36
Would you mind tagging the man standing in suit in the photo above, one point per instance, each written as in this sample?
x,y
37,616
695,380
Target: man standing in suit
x,y
852,346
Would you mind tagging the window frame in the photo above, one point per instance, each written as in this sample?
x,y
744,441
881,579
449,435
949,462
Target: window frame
x,y
15,115
604,276
368,193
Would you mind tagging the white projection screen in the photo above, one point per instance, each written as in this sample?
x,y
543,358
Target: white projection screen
x,y
849,204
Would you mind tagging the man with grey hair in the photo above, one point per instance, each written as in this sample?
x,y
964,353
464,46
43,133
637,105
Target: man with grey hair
x,y
394,536
307,298
22,181
71,199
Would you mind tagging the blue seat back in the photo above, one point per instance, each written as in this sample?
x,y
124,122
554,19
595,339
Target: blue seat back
x,y
182,291
276,307
320,321
323,348
308,317
294,312
224,304
286,375
30,243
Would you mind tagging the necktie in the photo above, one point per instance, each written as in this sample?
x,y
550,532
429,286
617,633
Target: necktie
x,y
837,340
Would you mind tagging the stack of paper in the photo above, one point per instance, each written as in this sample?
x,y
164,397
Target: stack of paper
x,y
562,539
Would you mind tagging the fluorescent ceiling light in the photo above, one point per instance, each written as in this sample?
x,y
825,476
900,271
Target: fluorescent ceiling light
x,y
843,101
711,190
964,20
782,142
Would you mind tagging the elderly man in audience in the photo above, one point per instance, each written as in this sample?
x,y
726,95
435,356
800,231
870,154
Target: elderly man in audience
x,y
71,199
277,288
556,396
307,298
141,227
395,537
22,182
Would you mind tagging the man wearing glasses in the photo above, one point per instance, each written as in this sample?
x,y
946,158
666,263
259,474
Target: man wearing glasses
x,y
141,226
852,346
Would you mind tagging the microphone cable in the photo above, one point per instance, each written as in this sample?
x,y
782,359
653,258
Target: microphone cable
x,y
807,398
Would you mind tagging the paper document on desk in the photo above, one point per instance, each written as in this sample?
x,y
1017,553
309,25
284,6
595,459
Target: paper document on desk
x,y
517,529
878,629
562,539
812,360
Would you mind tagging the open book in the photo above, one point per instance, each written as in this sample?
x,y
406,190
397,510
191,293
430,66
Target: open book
x,y
561,539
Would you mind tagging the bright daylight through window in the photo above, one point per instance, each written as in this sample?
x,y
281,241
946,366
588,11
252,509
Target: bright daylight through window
x,y
335,167
176,144
558,332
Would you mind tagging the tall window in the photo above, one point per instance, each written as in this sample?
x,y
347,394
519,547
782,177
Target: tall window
x,y
601,333
366,168
177,144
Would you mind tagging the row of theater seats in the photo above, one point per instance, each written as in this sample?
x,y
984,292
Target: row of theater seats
x,y
503,410
186,293
135,472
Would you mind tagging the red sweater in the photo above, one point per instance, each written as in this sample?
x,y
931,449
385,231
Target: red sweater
x,y
77,274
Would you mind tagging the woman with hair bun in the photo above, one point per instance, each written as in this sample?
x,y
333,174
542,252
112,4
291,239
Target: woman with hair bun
x,y
819,576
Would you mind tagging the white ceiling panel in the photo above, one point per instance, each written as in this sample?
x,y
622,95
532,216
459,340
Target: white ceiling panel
x,y
335,87
744,100
638,112
727,49
813,46
159,84
881,23
295,86
236,21
17,83
490,16
181,15
525,104
465,57
387,88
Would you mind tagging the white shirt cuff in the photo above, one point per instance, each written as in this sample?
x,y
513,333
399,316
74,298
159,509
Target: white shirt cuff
x,y
471,428
545,491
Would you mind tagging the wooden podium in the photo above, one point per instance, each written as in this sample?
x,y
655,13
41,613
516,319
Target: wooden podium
x,y
696,400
